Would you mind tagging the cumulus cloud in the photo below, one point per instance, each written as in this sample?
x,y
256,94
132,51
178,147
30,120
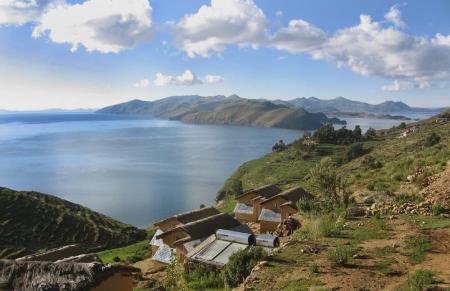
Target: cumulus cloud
x,y
211,79
219,24
142,83
188,78
394,16
299,36
397,85
19,12
106,26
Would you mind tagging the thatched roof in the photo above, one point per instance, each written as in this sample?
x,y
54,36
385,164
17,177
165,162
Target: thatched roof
x,y
292,195
265,191
47,276
206,226
192,215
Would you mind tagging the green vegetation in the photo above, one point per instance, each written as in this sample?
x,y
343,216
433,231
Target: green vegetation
x,y
202,278
129,254
419,247
432,139
318,226
241,264
428,222
32,221
228,204
341,255
374,228
421,280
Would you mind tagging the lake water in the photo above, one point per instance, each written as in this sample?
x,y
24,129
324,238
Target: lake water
x,y
136,170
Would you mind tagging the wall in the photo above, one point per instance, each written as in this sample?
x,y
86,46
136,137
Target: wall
x,y
274,204
268,226
117,282
245,217
286,210
247,198
168,224
173,236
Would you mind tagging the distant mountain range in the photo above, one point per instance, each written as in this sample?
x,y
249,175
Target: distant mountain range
x,y
232,110
341,104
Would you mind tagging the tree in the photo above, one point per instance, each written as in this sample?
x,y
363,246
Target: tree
x,y
325,134
371,133
432,139
279,146
357,132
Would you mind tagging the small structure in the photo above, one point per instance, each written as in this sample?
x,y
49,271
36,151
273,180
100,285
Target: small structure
x,y
46,276
217,249
247,207
187,236
185,217
277,208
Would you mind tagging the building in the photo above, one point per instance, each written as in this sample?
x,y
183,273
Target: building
x,y
277,208
217,249
48,276
185,217
247,207
187,236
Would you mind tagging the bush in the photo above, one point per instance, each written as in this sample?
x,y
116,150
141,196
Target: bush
x,y
369,162
314,268
341,255
422,280
437,209
432,139
330,225
371,133
202,278
354,151
241,264
403,198
419,247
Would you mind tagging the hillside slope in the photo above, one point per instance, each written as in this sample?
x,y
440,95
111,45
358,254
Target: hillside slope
x,y
399,157
232,110
32,221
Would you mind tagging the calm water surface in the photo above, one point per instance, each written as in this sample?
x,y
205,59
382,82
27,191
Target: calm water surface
x,y
134,169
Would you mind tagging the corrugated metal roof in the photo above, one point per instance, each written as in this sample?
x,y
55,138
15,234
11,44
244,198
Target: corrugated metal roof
x,y
225,255
212,250
243,208
164,254
155,241
269,215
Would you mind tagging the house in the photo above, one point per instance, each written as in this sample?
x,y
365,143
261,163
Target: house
x,y
47,276
247,206
217,249
277,208
187,236
185,217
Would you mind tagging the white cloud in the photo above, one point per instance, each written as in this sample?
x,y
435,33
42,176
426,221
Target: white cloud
x,y
279,13
394,16
19,12
220,24
211,79
142,83
186,79
397,85
299,36
106,26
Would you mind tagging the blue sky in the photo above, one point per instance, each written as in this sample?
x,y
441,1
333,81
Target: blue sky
x,y
93,53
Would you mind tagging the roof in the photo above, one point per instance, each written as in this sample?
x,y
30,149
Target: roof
x,y
269,215
265,191
293,195
157,242
164,254
289,203
243,208
192,215
206,226
46,276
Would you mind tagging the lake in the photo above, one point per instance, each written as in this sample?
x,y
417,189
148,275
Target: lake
x,y
137,170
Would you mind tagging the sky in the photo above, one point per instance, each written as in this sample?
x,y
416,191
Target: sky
x,y
94,53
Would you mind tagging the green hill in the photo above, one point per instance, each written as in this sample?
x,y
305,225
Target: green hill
x,y
232,110
398,158
32,221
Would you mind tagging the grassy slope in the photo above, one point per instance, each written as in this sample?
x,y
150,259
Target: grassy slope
x,y
32,221
399,158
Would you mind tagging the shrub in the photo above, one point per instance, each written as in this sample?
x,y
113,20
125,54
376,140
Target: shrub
x,y
432,139
202,278
422,280
353,151
437,209
330,226
403,198
369,162
371,133
241,264
341,255
419,247
116,259
314,268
